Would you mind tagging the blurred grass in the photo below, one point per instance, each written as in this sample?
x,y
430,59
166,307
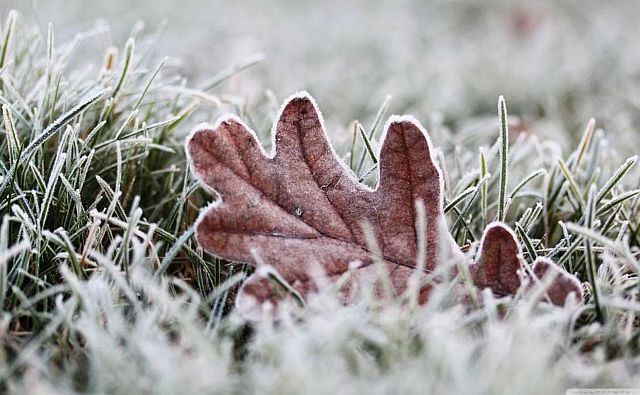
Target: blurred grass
x,y
558,63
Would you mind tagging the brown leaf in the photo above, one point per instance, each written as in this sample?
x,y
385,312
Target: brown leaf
x,y
302,205
501,268
563,283
500,265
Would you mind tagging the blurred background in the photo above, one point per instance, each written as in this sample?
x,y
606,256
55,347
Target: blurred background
x,y
557,63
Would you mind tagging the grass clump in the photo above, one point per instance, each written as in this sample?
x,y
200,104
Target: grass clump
x,y
89,153
104,290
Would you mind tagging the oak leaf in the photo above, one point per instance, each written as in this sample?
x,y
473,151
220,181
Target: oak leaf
x,y
563,284
301,206
501,267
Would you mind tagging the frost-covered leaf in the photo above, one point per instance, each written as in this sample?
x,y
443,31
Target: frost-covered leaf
x,y
501,267
301,206
563,283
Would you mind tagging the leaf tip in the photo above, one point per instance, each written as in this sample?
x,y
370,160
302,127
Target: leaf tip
x,y
205,128
406,122
497,230
300,98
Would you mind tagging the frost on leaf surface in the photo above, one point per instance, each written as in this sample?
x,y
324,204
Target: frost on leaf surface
x,y
501,267
301,206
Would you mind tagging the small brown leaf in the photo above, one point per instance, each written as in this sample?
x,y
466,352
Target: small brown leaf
x,y
301,205
563,283
500,265
501,268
